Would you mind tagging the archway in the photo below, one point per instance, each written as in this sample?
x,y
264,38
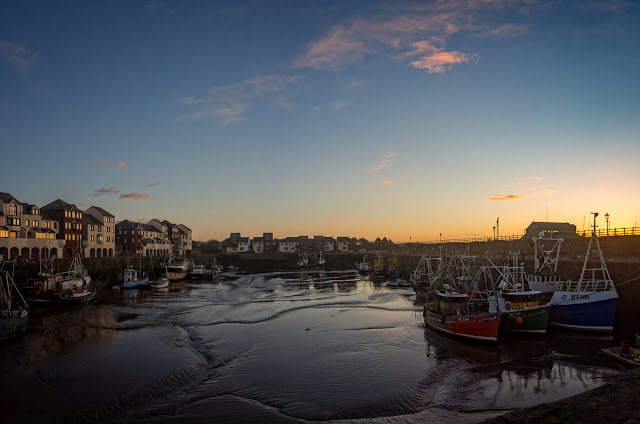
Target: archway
x,y
111,253
92,253
25,254
54,252
68,252
15,252
104,252
4,253
45,252
99,251
35,253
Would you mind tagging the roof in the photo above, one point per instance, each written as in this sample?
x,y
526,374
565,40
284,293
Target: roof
x,y
553,225
243,239
149,227
258,239
344,239
6,197
59,204
102,211
90,219
127,225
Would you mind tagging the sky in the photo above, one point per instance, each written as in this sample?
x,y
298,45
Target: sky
x,y
394,119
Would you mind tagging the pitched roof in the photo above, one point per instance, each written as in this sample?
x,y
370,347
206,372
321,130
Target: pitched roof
x,y
90,219
59,204
127,225
343,239
102,211
6,197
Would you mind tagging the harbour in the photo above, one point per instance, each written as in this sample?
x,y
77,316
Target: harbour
x,y
280,346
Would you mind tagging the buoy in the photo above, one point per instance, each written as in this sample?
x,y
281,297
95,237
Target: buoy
x,y
519,320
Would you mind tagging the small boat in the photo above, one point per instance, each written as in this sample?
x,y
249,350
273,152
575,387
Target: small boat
x,y
306,261
363,266
160,284
202,272
132,280
46,287
77,296
629,355
14,312
398,282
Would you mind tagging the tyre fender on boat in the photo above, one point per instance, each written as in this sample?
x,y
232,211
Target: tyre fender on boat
x,y
507,305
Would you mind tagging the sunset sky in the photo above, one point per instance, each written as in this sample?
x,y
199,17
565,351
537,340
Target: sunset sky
x,y
335,118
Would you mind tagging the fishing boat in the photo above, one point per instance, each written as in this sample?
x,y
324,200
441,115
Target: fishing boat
x,y
306,261
46,287
363,266
521,307
472,317
425,275
175,268
14,313
160,284
77,296
133,280
589,303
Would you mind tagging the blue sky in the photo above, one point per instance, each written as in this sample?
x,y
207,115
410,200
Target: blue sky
x,y
361,119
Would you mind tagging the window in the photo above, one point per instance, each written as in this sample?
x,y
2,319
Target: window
x,y
26,222
36,223
99,227
4,233
13,209
92,238
35,211
13,221
47,224
91,228
14,234
55,225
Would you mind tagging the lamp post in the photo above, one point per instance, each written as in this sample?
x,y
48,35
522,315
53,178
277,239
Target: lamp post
x,y
606,216
494,232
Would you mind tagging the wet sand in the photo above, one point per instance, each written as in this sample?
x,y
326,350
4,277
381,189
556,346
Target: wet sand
x,y
278,347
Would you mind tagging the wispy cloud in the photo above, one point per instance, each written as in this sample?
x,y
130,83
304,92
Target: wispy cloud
x,y
97,162
386,182
611,6
21,58
105,191
347,43
156,184
119,165
505,31
228,103
134,195
504,197
381,164
337,105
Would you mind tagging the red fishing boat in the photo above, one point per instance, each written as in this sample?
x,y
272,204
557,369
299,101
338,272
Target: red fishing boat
x,y
472,317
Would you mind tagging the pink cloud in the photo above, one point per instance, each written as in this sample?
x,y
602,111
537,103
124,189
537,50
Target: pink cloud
x,y
381,164
386,182
440,62
391,155
119,165
501,197
134,195
107,190
97,162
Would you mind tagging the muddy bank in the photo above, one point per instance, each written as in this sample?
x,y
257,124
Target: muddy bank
x,y
615,402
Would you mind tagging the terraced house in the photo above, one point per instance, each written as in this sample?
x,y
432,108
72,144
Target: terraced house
x,y
25,234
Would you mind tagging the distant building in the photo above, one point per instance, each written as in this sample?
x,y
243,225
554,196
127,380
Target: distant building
x,y
70,222
344,244
99,233
555,229
230,245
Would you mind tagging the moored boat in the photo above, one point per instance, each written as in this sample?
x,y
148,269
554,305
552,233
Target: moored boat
x,y
133,280
46,287
78,296
175,268
161,283
460,315
14,312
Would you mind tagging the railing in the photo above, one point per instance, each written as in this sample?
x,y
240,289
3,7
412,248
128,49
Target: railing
x,y
612,232
467,240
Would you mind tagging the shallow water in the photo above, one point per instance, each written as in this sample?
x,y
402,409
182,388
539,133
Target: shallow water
x,y
278,347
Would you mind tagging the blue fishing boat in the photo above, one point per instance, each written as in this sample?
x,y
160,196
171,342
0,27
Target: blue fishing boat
x,y
14,312
589,303
132,280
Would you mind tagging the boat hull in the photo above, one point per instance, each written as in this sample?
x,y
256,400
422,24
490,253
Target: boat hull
x,y
14,325
133,284
78,300
530,320
482,327
593,311
175,275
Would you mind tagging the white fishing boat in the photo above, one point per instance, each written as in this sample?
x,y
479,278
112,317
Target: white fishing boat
x,y
175,268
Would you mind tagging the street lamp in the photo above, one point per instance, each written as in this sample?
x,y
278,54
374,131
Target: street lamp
x,y
494,232
606,216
